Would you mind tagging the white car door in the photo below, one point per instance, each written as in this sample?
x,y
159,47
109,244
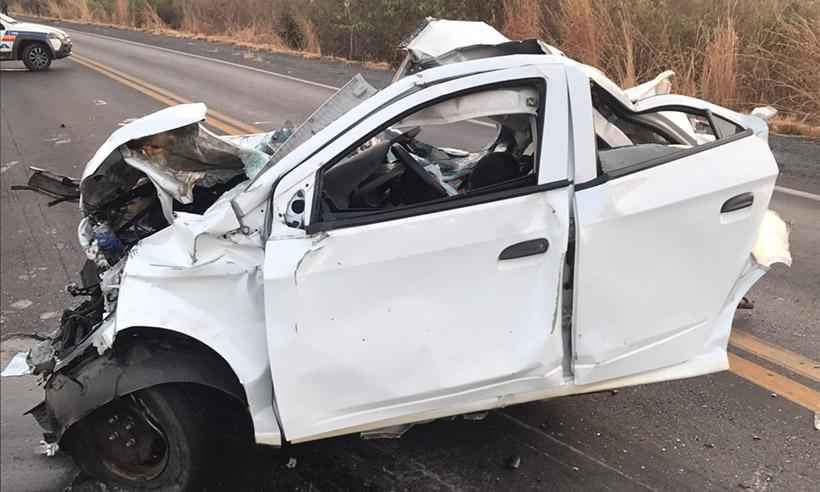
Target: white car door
x,y
426,310
663,235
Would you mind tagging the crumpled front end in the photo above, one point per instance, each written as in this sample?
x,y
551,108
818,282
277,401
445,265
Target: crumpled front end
x,y
169,255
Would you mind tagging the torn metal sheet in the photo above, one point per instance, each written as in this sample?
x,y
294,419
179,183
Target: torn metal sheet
x,y
438,36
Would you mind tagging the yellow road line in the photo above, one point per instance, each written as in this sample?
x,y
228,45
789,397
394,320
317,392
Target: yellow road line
x,y
776,355
215,118
772,381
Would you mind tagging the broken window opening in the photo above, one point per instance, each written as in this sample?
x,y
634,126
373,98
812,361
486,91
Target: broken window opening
x,y
471,144
625,139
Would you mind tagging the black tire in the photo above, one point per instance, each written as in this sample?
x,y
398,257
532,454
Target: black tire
x,y
37,57
105,447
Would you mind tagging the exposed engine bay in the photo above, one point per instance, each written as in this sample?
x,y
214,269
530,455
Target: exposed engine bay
x,y
135,191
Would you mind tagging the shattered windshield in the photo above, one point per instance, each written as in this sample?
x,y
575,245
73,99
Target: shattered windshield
x,y
345,99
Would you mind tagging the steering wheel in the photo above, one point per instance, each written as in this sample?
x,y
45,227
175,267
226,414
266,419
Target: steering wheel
x,y
406,137
412,165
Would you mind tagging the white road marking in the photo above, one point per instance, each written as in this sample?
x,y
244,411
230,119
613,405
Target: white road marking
x,y
802,194
214,60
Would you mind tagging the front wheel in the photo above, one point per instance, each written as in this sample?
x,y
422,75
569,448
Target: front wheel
x,y
155,439
37,57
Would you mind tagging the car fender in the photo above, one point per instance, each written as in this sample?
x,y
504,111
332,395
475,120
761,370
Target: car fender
x,y
22,38
209,289
145,359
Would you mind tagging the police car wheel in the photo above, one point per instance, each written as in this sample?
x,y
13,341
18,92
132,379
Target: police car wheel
x,y
37,57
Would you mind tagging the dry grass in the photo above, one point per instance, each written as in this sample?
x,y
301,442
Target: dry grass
x,y
719,78
522,19
581,33
740,53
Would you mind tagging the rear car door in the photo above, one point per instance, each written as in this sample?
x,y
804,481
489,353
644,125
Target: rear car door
x,y
445,305
663,235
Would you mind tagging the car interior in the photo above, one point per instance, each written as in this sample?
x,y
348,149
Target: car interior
x,y
399,168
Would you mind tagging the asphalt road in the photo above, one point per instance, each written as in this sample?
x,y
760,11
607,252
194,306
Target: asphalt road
x,y
721,431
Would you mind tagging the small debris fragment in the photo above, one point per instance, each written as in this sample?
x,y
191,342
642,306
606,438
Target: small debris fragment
x,y
575,468
49,315
756,437
21,304
6,167
17,366
817,421
99,102
514,462
47,448
476,416
709,445
773,395
291,464
62,125
613,392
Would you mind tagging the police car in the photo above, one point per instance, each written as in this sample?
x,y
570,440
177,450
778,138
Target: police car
x,y
35,44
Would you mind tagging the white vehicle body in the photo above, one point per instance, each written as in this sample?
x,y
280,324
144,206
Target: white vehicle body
x,y
335,327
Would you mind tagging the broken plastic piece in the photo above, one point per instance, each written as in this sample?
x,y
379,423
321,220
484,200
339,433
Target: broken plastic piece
x,y
393,432
764,112
476,416
47,448
772,244
17,366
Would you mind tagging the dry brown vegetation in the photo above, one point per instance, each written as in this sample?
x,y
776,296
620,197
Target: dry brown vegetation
x,y
739,53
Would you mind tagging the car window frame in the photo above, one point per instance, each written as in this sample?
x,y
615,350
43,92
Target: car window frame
x,y
484,195
627,114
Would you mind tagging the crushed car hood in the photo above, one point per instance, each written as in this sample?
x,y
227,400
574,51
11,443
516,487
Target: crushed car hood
x,y
163,120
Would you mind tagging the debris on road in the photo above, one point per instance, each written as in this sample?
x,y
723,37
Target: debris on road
x,y
17,366
21,304
393,432
476,416
291,464
514,462
47,448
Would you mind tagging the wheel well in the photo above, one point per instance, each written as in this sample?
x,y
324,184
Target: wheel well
x,y
173,341
140,358
27,42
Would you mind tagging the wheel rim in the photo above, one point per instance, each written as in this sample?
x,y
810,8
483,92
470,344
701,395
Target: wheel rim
x,y
38,57
128,441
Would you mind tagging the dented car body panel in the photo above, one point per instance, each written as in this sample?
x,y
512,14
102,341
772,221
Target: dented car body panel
x,y
368,278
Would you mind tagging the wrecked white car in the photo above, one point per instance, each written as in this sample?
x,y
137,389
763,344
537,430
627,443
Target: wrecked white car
x,y
500,224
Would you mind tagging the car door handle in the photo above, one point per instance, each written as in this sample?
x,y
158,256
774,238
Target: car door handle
x,y
526,248
744,200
